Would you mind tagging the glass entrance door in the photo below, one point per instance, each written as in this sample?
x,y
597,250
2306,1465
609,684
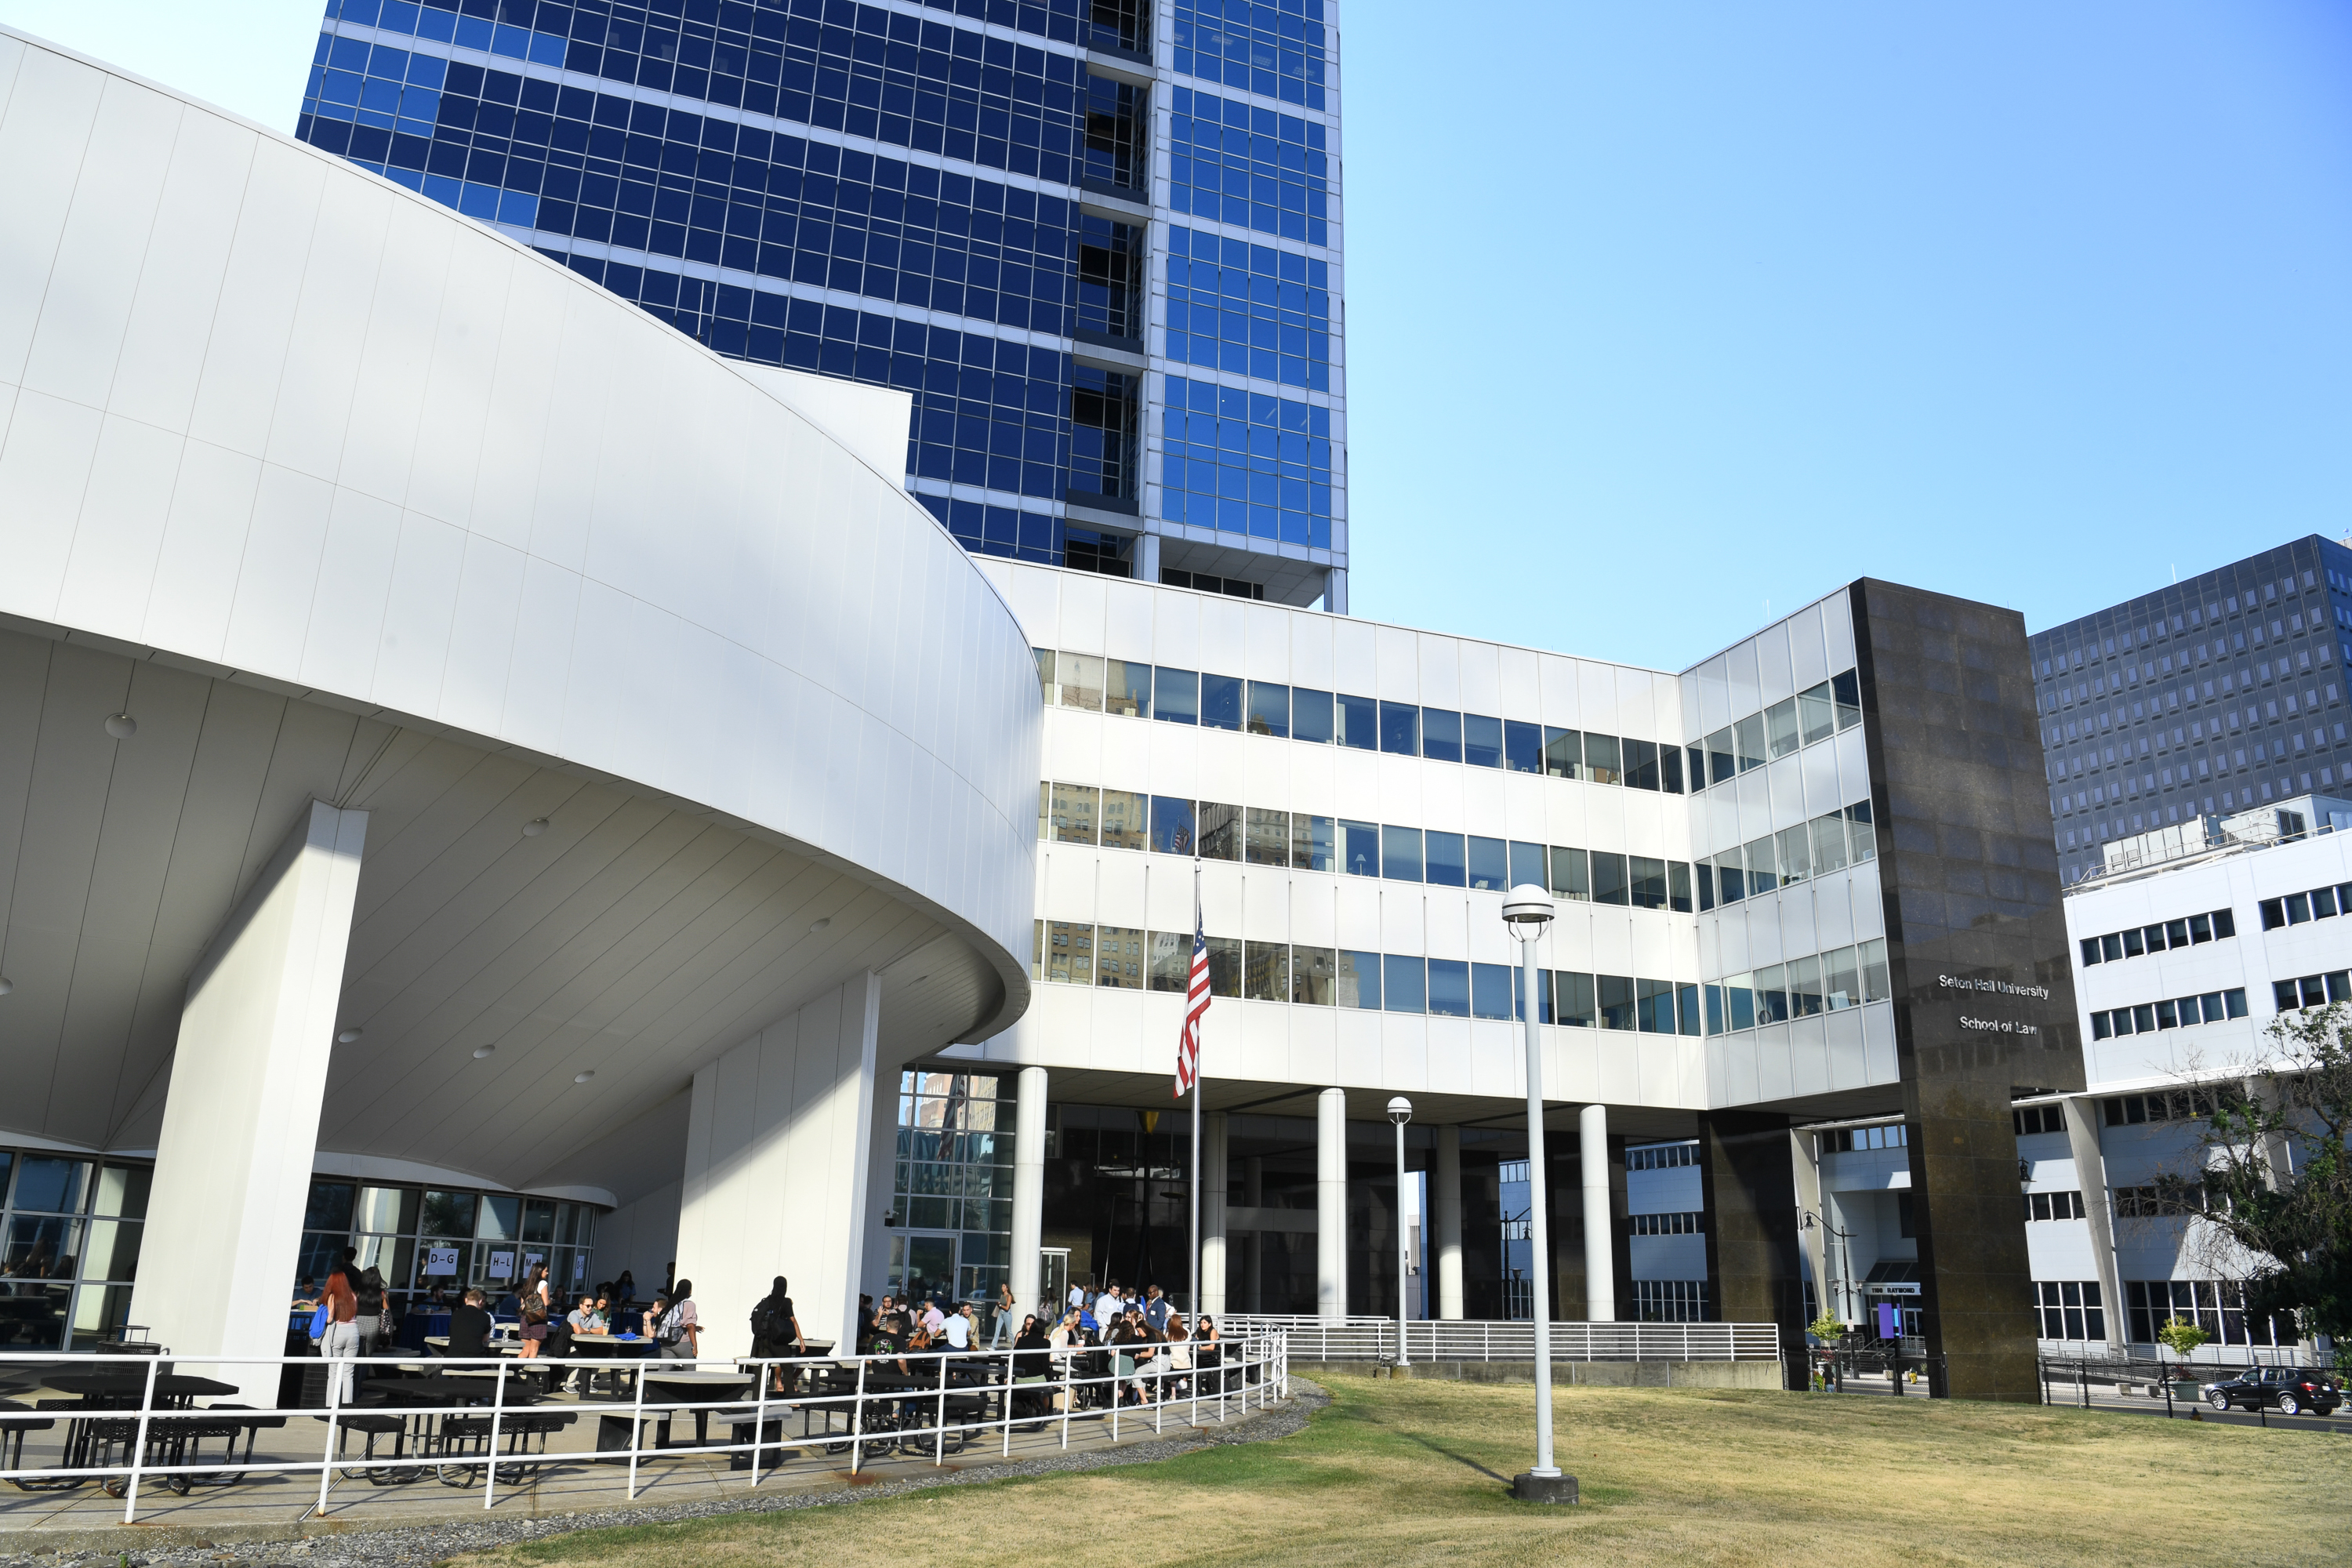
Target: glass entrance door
x,y
923,1265
1052,1282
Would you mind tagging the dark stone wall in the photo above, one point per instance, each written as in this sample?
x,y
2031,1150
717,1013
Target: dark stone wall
x,y
1976,939
1750,1190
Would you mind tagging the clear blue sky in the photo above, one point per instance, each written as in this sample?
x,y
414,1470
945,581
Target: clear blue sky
x,y
1659,313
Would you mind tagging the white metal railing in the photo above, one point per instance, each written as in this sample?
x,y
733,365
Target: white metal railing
x,y
920,1403
1444,1339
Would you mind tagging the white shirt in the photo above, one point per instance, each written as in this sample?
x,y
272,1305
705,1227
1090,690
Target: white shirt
x,y
1108,1306
960,1331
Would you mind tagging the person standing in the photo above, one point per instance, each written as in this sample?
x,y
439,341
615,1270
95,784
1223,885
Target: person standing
x,y
1003,1328
681,1330
776,1332
341,1337
1155,1309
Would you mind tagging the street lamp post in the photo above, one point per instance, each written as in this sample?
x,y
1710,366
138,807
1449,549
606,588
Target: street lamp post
x,y
1528,911
1401,1112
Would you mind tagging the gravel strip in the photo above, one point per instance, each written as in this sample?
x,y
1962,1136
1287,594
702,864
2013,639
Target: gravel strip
x,y
419,1546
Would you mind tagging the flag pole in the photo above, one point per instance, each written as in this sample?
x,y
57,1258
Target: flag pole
x,y
1192,1285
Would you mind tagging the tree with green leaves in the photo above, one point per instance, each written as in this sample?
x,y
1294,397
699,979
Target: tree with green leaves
x,y
2278,1177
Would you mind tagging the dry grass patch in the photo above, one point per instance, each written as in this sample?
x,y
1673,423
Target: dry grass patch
x,y
1412,1472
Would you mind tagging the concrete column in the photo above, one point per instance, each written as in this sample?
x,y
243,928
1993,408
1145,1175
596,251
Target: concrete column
x,y
1335,591
781,1157
1213,1214
1147,558
1445,1221
1331,1204
1599,1270
1805,1166
241,1125
1028,1189
2091,1181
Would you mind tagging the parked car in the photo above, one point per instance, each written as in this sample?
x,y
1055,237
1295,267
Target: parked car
x,y
2289,1390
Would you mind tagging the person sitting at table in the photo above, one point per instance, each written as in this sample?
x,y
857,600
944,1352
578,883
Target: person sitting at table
x,y
588,1324
1033,1363
469,1328
956,1327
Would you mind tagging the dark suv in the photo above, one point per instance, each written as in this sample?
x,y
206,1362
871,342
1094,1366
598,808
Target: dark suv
x,y
2289,1390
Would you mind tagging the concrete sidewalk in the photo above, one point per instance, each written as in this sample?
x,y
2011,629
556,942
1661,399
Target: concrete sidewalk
x,y
284,1505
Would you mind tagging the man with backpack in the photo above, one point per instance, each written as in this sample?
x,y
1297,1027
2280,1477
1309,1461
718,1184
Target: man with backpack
x,y
774,1326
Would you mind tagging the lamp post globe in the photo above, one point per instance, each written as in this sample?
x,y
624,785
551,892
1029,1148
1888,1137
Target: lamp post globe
x,y
1528,913
1401,1112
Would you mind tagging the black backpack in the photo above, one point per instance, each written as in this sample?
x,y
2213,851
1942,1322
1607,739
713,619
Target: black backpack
x,y
767,1323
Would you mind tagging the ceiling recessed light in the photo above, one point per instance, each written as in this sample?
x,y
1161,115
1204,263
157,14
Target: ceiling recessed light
x,y
346,1037
815,926
583,1076
481,1051
122,726
534,827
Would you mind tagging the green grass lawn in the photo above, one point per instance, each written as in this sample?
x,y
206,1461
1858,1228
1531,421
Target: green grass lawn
x,y
1408,1471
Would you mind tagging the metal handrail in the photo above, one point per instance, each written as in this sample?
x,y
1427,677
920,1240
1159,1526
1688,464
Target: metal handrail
x,y
1472,1339
1253,1372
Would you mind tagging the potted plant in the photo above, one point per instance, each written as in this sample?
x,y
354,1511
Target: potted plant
x,y
2182,1337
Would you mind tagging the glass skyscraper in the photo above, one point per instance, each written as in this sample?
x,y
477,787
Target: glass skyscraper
x,y
2211,695
1097,241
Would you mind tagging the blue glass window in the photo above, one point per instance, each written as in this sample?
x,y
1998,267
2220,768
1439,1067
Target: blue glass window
x,y
1220,701
1528,862
1441,734
1269,710
1489,864
1176,695
1399,728
1402,983
1359,848
1248,167
1246,463
1482,741
1449,988
1173,825
1276,51
1491,991
1522,747
1401,854
1310,715
1445,861
1358,722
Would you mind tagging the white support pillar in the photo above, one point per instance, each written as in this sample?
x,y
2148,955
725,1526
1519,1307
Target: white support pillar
x,y
1028,1190
1147,558
2091,1181
241,1125
779,1167
1213,1214
1331,1204
1445,1221
1812,1239
1599,1267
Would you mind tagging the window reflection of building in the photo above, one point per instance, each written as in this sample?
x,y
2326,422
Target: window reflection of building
x,y
70,1234
952,1196
424,1239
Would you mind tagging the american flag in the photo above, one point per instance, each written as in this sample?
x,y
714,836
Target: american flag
x,y
1196,1004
